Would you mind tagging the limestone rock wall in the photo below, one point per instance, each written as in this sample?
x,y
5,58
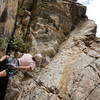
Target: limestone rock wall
x,y
46,23
2,6
8,9
73,74
61,32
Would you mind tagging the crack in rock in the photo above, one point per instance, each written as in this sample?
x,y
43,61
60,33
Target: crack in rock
x,y
52,90
91,91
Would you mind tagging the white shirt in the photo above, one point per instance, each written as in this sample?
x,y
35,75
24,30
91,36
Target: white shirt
x,y
26,60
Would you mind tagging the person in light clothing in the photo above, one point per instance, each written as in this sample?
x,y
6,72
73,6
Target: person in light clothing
x,y
9,65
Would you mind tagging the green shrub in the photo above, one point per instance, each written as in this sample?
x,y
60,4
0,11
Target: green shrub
x,y
21,12
18,44
3,43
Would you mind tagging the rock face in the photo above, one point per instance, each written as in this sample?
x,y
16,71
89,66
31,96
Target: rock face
x,y
73,74
8,9
47,23
60,31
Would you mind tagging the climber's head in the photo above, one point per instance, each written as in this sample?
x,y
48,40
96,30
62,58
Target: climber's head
x,y
37,57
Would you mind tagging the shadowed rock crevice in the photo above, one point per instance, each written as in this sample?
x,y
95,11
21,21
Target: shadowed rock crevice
x,y
3,17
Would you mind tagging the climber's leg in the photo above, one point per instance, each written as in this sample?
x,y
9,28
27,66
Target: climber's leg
x,y
3,87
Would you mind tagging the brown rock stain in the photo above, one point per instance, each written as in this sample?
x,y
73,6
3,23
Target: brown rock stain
x,y
65,79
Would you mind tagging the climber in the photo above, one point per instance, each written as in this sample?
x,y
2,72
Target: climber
x,y
26,62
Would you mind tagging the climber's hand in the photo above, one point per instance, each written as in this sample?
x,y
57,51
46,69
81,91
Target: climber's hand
x,y
3,58
11,71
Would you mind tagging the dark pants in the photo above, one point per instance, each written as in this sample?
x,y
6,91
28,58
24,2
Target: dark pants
x,y
3,87
3,81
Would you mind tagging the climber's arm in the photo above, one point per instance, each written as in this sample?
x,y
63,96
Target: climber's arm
x,y
24,68
3,74
30,67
